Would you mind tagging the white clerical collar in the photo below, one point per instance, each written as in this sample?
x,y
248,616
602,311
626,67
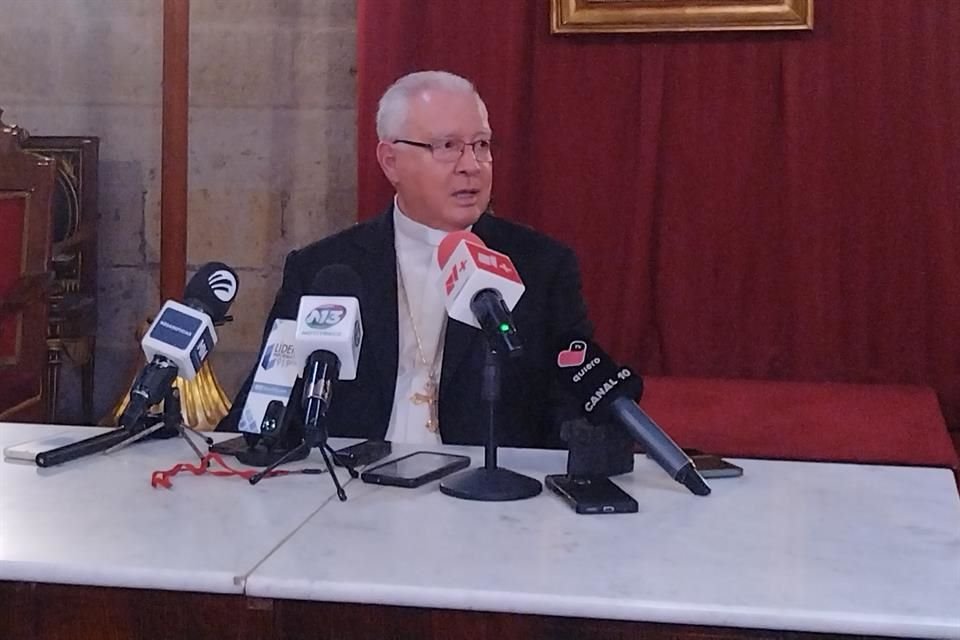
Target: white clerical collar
x,y
416,231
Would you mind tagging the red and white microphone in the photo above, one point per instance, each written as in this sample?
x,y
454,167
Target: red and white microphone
x,y
468,267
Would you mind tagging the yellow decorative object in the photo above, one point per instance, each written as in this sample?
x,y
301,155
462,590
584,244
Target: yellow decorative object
x,y
203,401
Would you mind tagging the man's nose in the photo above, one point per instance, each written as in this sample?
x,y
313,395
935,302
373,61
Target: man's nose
x,y
467,162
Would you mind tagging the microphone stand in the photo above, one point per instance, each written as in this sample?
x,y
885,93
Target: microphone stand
x,y
169,424
491,483
128,434
279,442
303,450
316,436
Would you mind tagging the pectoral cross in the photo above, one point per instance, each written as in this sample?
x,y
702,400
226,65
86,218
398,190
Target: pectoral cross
x,y
429,397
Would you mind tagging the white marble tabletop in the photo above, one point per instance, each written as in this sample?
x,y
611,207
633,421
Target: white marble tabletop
x,y
97,520
794,546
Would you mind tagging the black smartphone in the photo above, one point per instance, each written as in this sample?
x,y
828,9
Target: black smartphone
x,y
711,466
415,469
362,453
592,494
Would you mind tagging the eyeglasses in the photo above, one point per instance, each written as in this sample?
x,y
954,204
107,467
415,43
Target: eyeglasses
x,y
452,150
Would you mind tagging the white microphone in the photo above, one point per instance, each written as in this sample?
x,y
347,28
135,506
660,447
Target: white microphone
x,y
184,334
333,324
181,337
469,267
327,342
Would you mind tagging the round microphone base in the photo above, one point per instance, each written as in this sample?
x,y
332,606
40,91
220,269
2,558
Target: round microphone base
x,y
262,457
490,485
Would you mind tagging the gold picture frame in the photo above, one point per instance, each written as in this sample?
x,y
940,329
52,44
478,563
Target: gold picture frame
x,y
631,16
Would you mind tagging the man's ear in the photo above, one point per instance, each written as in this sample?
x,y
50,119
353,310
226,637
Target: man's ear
x,y
387,158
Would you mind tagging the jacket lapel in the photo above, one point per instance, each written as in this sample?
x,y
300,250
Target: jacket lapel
x,y
379,303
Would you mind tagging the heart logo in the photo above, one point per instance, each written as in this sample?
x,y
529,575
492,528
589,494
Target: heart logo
x,y
574,355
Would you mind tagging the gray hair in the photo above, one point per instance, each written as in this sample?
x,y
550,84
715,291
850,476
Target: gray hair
x,y
395,101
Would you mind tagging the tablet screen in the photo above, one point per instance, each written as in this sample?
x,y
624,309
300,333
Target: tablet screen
x,y
416,465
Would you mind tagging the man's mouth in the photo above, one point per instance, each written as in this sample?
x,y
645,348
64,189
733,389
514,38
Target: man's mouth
x,y
466,194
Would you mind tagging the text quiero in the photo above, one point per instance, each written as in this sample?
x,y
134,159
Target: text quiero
x,y
578,376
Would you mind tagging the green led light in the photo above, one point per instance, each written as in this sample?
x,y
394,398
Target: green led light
x,y
504,328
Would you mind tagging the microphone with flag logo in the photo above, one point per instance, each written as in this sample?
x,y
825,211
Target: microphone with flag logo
x,y
177,343
606,391
327,342
480,288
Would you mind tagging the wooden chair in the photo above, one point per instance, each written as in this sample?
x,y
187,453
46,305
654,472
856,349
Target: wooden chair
x,y
26,188
71,337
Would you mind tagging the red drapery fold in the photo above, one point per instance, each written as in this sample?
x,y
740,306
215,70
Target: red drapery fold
x,y
762,205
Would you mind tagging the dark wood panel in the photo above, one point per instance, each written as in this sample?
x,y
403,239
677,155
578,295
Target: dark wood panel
x,y
332,621
30,611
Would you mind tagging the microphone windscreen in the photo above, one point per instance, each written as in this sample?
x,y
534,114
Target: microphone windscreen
x,y
212,289
336,280
450,242
592,378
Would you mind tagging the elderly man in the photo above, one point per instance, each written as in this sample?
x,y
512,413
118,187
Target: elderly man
x,y
418,377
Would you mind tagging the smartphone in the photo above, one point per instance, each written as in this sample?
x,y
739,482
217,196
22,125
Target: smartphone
x,y
362,453
592,494
711,466
415,469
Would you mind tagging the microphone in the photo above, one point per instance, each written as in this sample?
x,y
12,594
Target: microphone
x,y
177,343
85,447
606,391
328,336
181,337
274,378
480,288
212,290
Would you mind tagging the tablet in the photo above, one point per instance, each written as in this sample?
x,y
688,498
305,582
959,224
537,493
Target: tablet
x,y
230,447
415,469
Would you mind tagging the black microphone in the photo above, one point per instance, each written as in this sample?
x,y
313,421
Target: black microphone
x,y
319,374
148,389
330,331
496,321
212,290
86,447
606,391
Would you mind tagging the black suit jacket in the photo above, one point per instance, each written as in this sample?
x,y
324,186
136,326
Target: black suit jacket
x,y
551,308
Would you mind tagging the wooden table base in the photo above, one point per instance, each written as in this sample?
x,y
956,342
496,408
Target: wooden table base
x,y
33,611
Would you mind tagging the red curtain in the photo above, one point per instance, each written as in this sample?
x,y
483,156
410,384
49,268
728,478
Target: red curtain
x,y
760,205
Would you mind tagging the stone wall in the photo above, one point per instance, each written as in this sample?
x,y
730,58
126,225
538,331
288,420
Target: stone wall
x,y
272,145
